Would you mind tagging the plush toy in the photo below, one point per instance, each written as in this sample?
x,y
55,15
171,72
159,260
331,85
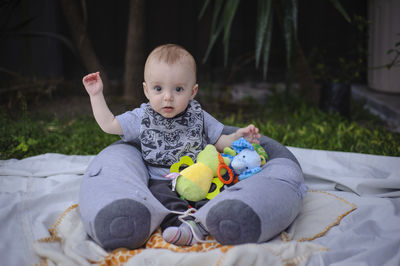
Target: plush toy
x,y
247,162
118,210
194,182
260,150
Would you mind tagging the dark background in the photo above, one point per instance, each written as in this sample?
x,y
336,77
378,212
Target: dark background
x,y
320,28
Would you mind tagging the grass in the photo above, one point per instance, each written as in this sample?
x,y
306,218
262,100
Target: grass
x,y
305,126
33,135
296,124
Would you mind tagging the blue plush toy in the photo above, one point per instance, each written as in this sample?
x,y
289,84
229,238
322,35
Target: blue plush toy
x,y
247,161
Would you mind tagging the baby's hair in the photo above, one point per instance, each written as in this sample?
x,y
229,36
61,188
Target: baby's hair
x,y
171,54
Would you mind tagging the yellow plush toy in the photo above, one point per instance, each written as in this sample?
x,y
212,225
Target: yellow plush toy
x,y
194,182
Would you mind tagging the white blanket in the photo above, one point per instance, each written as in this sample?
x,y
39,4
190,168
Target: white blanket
x,y
34,192
69,245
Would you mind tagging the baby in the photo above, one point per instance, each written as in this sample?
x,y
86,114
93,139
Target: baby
x,y
171,125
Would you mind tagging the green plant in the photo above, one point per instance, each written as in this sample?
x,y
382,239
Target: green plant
x,y
286,11
396,59
28,135
347,68
24,145
296,124
306,126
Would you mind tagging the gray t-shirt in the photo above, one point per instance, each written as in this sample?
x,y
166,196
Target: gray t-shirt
x,y
165,140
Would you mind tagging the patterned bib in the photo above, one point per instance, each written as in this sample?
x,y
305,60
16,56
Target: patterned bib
x,y
165,140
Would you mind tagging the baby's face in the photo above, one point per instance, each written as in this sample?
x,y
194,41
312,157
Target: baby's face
x,y
169,87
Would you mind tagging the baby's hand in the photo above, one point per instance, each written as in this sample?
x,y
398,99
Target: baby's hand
x,y
93,83
250,133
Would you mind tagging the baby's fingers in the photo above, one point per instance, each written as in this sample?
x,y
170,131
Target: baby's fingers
x,y
256,138
91,77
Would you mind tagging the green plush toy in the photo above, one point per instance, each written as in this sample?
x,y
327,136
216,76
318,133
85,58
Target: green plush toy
x,y
194,182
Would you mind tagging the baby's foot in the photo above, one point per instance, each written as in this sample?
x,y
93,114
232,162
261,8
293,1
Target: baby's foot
x,y
182,235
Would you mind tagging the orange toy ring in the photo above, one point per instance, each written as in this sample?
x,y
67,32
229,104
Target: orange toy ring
x,y
221,165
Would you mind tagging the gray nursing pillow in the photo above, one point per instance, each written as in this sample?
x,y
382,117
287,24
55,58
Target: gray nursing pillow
x,y
118,210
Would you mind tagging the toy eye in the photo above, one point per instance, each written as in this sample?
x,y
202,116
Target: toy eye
x,y
247,167
244,156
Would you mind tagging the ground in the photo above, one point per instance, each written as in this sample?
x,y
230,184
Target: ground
x,y
77,105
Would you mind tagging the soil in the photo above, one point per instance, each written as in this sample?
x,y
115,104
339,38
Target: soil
x,y
78,105
73,106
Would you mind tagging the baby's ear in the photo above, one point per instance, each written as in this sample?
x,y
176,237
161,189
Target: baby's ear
x,y
194,90
145,90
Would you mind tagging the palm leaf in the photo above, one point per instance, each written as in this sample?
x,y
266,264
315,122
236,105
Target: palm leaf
x,y
340,8
289,21
223,15
263,33
267,45
229,14
215,32
263,14
203,9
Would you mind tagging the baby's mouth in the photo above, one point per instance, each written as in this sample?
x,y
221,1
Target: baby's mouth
x,y
168,108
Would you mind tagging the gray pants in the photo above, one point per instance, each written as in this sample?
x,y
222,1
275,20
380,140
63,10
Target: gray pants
x,y
161,190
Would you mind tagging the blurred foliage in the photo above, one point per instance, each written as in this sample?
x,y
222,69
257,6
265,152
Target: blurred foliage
x,y
296,124
26,136
396,56
224,13
305,126
348,68
285,12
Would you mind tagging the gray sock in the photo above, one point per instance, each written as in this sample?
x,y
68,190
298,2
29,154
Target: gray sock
x,y
182,235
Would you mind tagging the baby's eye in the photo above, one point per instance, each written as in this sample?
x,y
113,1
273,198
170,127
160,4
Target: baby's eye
x,y
178,89
157,88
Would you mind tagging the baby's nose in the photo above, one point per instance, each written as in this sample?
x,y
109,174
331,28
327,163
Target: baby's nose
x,y
168,96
